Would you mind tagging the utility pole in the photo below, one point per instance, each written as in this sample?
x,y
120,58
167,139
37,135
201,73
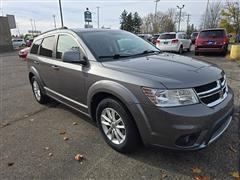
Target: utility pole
x,y
180,16
34,22
60,8
31,25
188,20
205,17
155,18
54,21
98,16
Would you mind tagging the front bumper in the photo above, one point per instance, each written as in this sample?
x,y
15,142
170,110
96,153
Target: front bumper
x,y
186,127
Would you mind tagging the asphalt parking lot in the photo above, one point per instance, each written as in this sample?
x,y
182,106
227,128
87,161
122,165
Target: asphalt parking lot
x,y
33,146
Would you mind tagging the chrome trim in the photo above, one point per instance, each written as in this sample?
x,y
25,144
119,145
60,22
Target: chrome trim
x,y
214,103
67,98
211,90
222,131
69,105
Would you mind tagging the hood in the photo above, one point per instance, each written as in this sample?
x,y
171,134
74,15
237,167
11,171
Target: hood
x,y
173,71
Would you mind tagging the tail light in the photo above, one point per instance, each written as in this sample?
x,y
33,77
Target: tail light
x,y
225,40
175,41
157,41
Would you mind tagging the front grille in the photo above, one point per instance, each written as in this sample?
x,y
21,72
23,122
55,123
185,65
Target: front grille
x,y
213,93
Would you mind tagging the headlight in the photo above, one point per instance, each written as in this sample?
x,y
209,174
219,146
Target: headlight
x,y
168,98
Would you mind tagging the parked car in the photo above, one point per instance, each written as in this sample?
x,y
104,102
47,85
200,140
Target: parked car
x,y
194,36
212,40
18,43
132,90
147,37
154,38
24,52
174,42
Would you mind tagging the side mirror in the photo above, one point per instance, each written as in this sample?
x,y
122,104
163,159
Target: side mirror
x,y
73,57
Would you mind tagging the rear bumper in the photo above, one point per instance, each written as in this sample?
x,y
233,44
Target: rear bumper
x,y
188,127
169,48
210,49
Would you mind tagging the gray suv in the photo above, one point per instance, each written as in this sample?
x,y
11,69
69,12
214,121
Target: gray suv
x,y
135,93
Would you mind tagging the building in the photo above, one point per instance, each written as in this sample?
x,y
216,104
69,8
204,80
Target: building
x,y
5,35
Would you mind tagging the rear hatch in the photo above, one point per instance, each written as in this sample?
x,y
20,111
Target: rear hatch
x,y
166,39
211,38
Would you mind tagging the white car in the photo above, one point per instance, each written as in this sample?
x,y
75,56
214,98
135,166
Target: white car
x,y
174,42
18,43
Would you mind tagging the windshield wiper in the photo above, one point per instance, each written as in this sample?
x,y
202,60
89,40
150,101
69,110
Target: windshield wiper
x,y
149,52
115,56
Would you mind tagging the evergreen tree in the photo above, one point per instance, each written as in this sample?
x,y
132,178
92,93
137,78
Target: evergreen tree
x,y
129,23
137,22
123,20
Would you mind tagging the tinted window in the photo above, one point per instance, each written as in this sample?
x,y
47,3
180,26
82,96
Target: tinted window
x,y
194,34
212,34
167,36
66,43
111,43
35,46
46,49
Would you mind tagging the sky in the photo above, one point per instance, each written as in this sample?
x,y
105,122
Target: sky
x,y
42,11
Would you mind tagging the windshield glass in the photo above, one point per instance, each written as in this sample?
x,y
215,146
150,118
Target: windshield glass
x,y
116,44
167,36
212,34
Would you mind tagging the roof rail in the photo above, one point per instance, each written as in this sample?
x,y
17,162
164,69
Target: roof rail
x,y
63,27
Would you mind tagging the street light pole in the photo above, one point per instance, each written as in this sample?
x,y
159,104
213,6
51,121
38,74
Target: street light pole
x,y
155,16
60,8
205,17
31,25
54,21
34,22
98,15
180,14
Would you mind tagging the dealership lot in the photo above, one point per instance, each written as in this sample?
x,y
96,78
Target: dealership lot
x,y
33,146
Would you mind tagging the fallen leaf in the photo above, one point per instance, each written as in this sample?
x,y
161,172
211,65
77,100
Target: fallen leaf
x,y
62,131
65,138
163,174
232,149
196,170
75,123
46,148
31,120
4,125
50,154
235,175
10,163
198,177
79,157
26,116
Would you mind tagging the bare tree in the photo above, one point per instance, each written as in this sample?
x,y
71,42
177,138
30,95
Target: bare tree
x,y
212,16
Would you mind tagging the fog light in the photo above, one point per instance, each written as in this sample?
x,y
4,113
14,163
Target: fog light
x,y
187,140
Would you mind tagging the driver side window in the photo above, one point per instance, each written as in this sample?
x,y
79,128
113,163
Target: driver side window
x,y
66,43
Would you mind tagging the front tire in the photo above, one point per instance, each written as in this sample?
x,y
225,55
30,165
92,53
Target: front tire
x,y
37,91
180,51
117,126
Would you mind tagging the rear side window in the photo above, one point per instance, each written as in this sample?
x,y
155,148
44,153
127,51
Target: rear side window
x,y
167,36
66,43
35,46
212,34
46,49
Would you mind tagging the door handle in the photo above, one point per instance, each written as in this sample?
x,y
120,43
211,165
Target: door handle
x,y
36,62
55,67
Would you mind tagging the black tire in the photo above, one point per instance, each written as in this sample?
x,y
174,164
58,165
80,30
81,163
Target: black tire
x,y
42,99
180,51
132,139
189,49
196,53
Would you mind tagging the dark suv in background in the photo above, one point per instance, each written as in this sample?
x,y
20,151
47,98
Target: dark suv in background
x,y
134,92
212,40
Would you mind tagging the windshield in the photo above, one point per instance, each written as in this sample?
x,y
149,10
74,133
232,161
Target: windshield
x,y
194,34
167,36
116,44
212,34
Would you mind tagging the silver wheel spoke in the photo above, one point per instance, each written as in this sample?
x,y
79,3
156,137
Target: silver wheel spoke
x,y
106,123
120,127
120,133
112,134
117,136
109,130
105,118
118,121
109,113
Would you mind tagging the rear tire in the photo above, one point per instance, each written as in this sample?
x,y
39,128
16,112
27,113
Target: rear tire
x,y
37,91
117,126
180,51
196,53
189,49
